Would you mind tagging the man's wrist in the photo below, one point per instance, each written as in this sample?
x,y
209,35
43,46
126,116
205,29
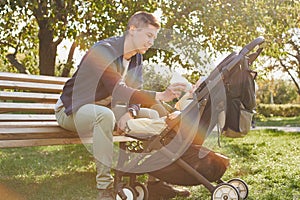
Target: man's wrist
x,y
132,112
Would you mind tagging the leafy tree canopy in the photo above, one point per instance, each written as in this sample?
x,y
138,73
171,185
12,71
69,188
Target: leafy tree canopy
x,y
193,30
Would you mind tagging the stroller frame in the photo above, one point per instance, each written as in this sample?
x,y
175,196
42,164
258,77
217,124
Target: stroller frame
x,y
235,188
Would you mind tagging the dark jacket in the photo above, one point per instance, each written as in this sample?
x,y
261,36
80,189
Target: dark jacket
x,y
99,75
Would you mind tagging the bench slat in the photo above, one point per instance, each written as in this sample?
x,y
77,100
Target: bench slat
x,y
39,142
29,96
33,124
35,133
27,117
32,78
54,128
33,130
41,133
38,135
39,87
21,107
56,141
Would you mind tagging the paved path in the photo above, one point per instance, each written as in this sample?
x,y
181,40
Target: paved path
x,y
279,128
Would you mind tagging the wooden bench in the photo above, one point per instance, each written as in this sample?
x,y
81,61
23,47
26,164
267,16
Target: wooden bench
x,y
27,112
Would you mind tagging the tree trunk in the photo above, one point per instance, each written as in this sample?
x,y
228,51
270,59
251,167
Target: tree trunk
x,y
47,50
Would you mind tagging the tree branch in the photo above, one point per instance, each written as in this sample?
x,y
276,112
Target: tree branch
x,y
20,67
295,47
7,44
68,66
58,41
290,54
292,77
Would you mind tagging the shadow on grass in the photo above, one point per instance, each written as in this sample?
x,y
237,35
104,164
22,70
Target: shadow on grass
x,y
277,132
52,172
241,150
73,186
41,160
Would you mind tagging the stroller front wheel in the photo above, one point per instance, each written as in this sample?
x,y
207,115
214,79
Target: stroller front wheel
x,y
241,186
126,193
225,191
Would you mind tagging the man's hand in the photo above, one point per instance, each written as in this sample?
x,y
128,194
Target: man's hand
x,y
123,120
173,91
174,114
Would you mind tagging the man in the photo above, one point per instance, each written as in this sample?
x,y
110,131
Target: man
x,y
109,74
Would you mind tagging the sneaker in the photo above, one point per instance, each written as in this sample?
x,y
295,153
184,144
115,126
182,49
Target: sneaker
x,y
108,194
160,190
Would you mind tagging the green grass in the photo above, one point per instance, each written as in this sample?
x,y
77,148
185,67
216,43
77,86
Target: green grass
x,y
268,161
53,172
279,121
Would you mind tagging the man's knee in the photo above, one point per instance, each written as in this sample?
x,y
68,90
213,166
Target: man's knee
x,y
105,115
91,115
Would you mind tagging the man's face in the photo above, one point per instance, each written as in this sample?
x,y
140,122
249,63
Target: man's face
x,y
143,38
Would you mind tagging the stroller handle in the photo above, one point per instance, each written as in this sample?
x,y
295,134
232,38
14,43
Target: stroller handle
x,y
249,47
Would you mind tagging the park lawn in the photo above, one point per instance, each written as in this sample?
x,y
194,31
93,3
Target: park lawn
x,y
279,121
268,161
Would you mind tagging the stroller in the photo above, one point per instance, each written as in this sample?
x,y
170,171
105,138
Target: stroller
x,y
178,154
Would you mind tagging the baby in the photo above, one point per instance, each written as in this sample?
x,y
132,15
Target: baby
x,y
146,126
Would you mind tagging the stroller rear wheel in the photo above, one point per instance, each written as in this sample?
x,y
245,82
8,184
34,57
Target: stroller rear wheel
x,y
141,191
126,193
241,186
225,191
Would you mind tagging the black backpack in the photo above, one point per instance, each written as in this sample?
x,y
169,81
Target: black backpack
x,y
239,106
241,99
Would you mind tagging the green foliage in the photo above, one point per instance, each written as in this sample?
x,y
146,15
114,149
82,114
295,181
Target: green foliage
x,y
40,26
282,91
18,34
223,26
193,77
231,22
283,110
193,31
154,79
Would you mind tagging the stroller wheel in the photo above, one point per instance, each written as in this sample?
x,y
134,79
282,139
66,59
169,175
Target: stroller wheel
x,y
241,186
225,191
141,191
126,193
